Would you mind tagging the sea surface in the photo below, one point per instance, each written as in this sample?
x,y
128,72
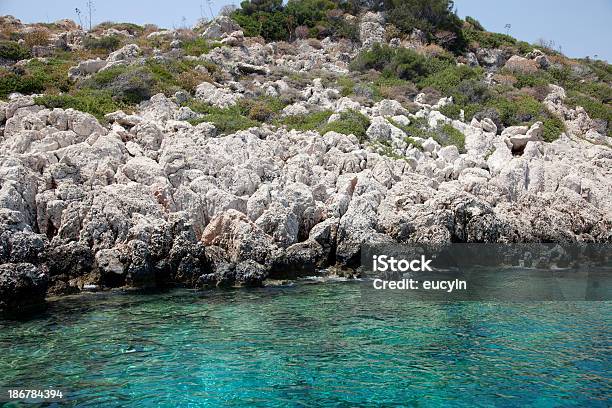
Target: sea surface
x,y
310,345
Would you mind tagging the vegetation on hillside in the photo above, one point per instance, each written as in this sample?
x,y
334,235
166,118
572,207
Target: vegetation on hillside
x,y
439,68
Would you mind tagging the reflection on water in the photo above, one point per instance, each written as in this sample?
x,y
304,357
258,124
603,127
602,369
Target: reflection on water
x,y
311,345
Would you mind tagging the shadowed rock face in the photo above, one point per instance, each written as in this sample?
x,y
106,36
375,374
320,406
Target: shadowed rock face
x,y
148,199
23,288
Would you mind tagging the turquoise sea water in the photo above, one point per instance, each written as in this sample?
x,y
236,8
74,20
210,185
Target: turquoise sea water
x,y
311,345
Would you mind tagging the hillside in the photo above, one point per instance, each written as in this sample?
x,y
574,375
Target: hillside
x,y
276,140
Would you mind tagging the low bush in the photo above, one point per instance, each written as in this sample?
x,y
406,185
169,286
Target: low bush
x,y
107,43
296,19
445,135
127,84
401,63
311,121
475,24
36,77
135,83
197,46
347,86
227,121
96,102
11,50
14,82
595,108
433,17
133,86
451,77
350,123
247,113
448,135
131,28
260,112
553,127
484,39
410,141
53,73
517,111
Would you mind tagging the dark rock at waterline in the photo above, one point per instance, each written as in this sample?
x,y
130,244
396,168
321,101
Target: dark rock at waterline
x,y
225,274
22,289
250,273
301,259
72,259
188,258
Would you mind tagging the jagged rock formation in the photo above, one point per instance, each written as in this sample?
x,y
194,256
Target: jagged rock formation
x,y
149,199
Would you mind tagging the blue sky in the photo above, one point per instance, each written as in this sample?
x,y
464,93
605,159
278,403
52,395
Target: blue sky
x,y
581,28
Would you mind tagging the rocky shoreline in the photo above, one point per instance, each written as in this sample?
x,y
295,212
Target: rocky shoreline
x,y
148,199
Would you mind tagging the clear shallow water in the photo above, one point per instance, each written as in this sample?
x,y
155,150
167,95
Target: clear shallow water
x,y
311,345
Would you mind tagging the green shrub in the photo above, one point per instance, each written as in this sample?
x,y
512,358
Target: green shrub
x,y
269,6
275,22
311,121
475,23
131,28
11,82
12,51
517,111
347,86
410,141
448,135
445,135
135,83
53,73
36,77
451,77
350,122
226,120
271,26
133,86
96,102
539,78
308,13
345,29
198,46
106,43
595,108
553,127
489,40
401,63
429,16
128,84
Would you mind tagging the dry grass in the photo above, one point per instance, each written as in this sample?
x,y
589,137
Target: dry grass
x,y
36,37
314,43
504,79
522,65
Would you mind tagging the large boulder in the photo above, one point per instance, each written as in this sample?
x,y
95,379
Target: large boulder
x,y
521,65
220,25
240,237
371,29
219,97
